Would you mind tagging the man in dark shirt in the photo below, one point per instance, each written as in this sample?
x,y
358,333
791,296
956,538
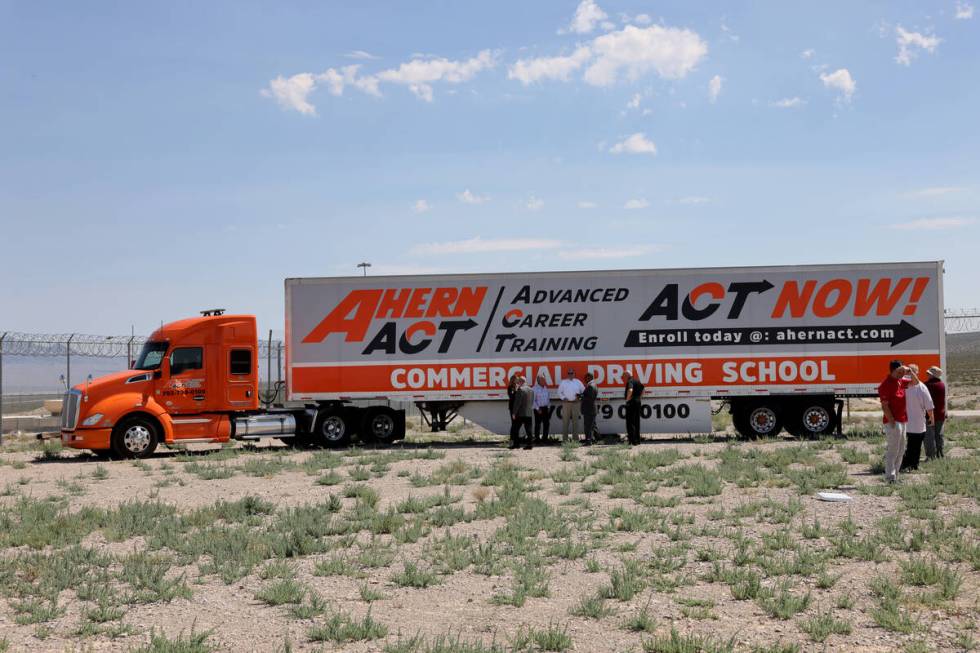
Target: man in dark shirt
x,y
521,417
634,391
892,395
589,396
934,432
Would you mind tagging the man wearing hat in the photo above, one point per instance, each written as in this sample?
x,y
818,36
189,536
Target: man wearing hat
x,y
934,432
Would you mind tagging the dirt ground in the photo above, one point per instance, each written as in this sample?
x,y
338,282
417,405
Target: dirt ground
x,y
464,545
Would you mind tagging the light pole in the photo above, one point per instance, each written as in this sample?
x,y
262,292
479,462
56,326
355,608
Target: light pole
x,y
364,266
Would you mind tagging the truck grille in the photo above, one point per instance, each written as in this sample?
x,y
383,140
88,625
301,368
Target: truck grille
x,y
69,410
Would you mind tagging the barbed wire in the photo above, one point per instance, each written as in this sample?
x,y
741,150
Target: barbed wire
x,y
14,343
963,320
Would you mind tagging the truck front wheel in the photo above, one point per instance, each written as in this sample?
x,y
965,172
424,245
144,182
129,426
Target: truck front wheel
x,y
135,437
333,430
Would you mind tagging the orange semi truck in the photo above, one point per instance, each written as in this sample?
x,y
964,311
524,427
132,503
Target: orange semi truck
x,y
781,345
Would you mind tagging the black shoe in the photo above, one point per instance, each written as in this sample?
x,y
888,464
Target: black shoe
x,y
512,446
528,447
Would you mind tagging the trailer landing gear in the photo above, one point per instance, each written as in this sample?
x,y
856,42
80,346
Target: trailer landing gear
x,y
438,414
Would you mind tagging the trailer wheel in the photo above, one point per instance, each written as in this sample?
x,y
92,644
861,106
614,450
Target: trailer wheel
x,y
756,420
764,421
813,420
379,425
135,437
333,430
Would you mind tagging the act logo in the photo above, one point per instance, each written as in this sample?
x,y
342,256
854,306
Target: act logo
x,y
356,314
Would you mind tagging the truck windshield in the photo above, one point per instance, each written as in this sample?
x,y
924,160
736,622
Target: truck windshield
x,y
151,356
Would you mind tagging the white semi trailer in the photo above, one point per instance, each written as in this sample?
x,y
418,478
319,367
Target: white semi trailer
x,y
781,345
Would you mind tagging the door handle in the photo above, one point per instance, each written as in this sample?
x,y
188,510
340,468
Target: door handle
x,y
198,397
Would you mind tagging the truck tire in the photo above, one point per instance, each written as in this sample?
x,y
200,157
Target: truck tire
x,y
760,420
380,425
333,429
135,437
812,419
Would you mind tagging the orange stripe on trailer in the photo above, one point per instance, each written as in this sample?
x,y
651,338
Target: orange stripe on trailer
x,y
762,373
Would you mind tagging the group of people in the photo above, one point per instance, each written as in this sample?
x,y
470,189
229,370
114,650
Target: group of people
x,y
914,413
530,409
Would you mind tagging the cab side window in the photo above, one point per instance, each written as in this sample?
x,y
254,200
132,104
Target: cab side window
x,y
183,359
240,363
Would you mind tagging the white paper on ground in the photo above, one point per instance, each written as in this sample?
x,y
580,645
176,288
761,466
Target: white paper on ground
x,y
833,496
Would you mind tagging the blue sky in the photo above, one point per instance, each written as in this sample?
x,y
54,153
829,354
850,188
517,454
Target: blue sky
x,y
156,159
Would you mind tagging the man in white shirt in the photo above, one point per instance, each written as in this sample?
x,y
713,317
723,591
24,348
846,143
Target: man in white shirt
x,y
570,392
919,406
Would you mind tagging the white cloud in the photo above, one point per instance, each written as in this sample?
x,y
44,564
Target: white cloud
x,y
935,223
625,251
636,143
336,80
587,16
292,92
469,197
631,53
842,81
733,37
642,19
528,71
933,191
964,10
360,54
585,204
909,43
534,204
421,206
693,199
634,102
808,53
714,88
636,204
788,103
670,52
480,245
420,74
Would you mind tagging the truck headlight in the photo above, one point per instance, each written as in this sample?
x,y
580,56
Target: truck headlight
x,y
92,420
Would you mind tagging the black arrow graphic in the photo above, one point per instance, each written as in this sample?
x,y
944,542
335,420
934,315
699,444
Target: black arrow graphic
x,y
892,334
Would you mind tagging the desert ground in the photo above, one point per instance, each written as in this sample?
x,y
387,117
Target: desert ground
x,y
680,544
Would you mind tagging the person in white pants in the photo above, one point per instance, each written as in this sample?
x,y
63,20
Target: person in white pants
x,y
892,395
570,392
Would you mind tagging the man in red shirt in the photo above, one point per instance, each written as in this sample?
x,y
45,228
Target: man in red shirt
x,y
934,433
892,395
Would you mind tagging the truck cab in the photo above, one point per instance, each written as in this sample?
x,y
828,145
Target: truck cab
x,y
191,381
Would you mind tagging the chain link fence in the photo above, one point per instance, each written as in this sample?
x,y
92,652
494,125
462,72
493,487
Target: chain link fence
x,y
36,368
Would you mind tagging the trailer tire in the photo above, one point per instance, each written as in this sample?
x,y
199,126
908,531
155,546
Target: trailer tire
x,y
760,420
135,437
379,424
812,419
333,429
